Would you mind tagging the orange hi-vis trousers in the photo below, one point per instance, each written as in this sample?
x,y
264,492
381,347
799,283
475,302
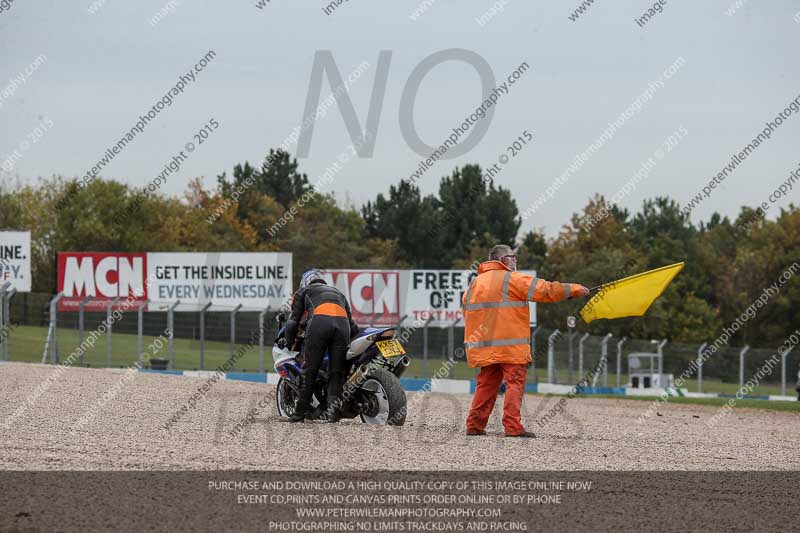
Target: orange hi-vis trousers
x,y
488,386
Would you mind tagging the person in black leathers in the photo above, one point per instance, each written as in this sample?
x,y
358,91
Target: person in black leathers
x,y
329,327
797,387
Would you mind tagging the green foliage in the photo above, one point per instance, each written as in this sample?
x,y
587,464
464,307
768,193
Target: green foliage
x,y
88,221
727,267
411,221
444,231
532,252
326,236
471,212
32,207
728,264
278,178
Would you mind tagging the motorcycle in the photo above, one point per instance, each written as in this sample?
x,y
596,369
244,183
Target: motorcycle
x,y
372,389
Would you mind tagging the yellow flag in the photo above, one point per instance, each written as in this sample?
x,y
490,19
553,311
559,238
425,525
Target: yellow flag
x,y
631,296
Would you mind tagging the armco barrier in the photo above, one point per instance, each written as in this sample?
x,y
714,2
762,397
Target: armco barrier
x,y
463,386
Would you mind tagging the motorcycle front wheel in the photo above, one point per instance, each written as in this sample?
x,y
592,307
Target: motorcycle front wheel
x,y
285,398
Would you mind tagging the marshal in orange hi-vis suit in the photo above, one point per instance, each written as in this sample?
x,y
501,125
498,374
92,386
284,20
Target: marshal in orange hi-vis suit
x,y
497,338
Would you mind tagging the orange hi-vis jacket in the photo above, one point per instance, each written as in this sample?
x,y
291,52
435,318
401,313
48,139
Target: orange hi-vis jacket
x,y
497,315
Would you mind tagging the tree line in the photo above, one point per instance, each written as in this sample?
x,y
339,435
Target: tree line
x,y
728,262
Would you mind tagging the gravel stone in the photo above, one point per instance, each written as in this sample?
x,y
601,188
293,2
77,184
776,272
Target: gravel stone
x,y
127,433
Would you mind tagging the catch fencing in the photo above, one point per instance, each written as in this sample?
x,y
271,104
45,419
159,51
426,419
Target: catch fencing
x,y
34,330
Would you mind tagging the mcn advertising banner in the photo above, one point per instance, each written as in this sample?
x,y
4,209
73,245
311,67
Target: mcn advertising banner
x,y
437,294
374,295
15,259
255,280
226,279
384,297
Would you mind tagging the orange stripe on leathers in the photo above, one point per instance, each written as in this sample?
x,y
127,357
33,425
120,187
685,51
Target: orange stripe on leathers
x,y
330,309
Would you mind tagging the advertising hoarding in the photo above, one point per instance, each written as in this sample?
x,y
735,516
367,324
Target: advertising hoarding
x,y
384,297
15,259
226,279
374,295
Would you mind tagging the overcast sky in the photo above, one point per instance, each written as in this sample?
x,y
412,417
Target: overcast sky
x,y
103,70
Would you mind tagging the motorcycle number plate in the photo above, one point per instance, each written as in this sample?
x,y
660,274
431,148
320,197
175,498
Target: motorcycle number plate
x,y
391,348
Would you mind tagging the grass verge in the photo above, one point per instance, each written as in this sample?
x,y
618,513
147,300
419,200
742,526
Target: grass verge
x,y
718,402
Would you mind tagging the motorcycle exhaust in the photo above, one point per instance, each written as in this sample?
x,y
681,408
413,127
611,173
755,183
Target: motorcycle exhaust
x,y
401,366
357,378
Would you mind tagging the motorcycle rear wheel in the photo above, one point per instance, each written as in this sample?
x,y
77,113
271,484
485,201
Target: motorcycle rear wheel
x,y
384,391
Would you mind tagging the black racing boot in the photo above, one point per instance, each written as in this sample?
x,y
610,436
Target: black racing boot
x,y
299,414
304,402
331,414
334,403
316,413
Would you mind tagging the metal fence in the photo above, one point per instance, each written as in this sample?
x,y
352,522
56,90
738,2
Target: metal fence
x,y
32,329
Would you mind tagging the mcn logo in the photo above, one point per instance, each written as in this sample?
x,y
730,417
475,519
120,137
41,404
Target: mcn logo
x,y
372,295
102,275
